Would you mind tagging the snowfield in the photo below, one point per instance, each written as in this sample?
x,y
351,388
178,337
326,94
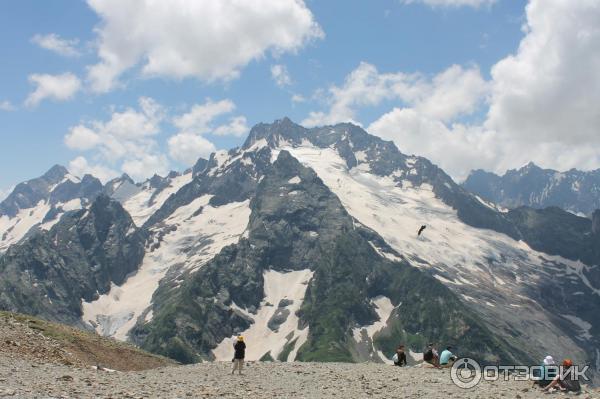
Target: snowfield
x,y
383,308
259,338
191,239
145,203
503,274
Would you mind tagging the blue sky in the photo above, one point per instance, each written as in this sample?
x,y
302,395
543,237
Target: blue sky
x,y
386,42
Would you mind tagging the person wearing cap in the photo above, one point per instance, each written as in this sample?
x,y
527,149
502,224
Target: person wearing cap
x,y
548,371
447,358
565,381
239,355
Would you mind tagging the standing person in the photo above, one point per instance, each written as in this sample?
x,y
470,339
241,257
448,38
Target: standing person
x,y
240,354
400,357
447,358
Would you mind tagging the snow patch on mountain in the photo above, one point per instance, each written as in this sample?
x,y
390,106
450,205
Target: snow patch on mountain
x,y
12,230
489,270
295,180
187,239
289,287
146,201
384,308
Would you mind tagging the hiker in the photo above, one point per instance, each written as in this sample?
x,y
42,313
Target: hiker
x,y
430,356
421,230
447,358
400,357
548,371
240,354
568,383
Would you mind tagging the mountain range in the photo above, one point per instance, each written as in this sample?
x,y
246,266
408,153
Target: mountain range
x,y
532,186
305,241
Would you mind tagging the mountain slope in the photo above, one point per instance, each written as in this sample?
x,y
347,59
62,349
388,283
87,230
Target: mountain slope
x,y
575,191
39,203
82,255
41,342
497,275
305,241
300,235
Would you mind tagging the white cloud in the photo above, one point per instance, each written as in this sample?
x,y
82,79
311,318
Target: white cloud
x,y
125,141
7,106
187,148
180,39
452,3
200,116
56,44
550,89
57,87
82,138
298,98
454,92
189,144
455,148
80,166
141,165
237,126
280,75
542,100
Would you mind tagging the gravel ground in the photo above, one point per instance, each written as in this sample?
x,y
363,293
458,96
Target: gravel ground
x,y
24,379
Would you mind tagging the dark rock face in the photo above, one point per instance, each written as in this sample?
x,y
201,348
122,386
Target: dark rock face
x,y
51,187
533,186
296,223
199,166
51,272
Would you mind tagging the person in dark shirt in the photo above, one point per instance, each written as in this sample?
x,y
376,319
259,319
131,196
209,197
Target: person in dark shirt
x,y
400,358
239,355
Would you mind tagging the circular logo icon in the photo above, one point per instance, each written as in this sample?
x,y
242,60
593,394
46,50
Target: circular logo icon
x,y
465,373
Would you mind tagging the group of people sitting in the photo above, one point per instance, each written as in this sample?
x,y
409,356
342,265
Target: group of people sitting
x,y
551,378
431,357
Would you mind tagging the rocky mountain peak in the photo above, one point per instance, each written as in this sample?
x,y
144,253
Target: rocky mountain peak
x,y
273,133
55,174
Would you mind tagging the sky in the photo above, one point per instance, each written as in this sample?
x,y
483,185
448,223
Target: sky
x,y
141,87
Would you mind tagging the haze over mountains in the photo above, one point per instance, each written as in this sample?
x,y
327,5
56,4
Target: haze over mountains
x,y
305,241
573,190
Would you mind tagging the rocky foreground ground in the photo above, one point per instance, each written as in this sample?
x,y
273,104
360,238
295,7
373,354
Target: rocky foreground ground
x,y
45,360
23,379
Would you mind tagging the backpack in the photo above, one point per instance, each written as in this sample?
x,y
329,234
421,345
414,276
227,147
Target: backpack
x,y
428,356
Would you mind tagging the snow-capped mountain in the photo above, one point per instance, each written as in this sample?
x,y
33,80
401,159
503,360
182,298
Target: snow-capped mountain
x,y
574,190
39,203
305,241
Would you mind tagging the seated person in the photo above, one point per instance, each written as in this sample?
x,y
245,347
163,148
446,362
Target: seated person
x,y
568,383
548,370
447,358
400,356
430,356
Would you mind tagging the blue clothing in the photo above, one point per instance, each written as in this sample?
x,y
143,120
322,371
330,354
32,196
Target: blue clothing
x,y
445,356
